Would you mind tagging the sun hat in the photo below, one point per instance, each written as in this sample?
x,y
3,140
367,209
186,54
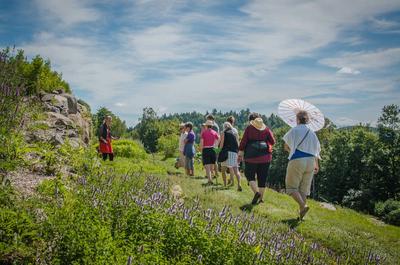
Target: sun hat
x,y
182,125
258,124
209,123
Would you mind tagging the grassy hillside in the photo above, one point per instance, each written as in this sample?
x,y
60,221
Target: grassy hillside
x,y
338,230
140,210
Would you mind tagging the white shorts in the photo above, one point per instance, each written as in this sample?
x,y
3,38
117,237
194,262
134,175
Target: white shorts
x,y
232,160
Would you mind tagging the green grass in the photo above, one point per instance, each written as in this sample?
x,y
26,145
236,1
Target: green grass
x,y
337,230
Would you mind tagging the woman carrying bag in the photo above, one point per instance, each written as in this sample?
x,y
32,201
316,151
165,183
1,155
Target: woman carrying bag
x,y
229,153
256,151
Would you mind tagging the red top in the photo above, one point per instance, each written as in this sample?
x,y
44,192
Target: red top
x,y
251,133
209,137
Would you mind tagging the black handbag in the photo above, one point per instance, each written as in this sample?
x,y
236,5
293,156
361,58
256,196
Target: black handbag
x,y
223,155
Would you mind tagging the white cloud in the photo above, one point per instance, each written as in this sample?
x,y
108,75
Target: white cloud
x,y
180,61
332,100
379,59
348,71
84,64
384,24
158,44
67,12
120,104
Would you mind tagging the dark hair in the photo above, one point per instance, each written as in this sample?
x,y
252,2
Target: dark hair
x,y
231,120
303,117
253,116
189,125
210,117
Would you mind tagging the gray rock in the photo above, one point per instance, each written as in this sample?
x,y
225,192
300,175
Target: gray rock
x,y
57,120
57,139
72,104
51,108
57,101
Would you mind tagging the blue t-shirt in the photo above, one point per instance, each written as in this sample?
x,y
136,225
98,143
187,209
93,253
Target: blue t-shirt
x,y
299,154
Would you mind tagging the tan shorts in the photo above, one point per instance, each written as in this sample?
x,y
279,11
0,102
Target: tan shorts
x,y
299,175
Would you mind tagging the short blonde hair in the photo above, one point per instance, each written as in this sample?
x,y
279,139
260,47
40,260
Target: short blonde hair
x,y
227,125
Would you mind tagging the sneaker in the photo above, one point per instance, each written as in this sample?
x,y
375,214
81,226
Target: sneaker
x,y
257,195
239,188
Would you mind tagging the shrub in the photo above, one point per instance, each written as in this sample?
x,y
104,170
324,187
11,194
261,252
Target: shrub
x,y
389,211
19,235
129,149
168,145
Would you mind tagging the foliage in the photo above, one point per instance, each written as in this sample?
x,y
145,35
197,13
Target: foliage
x,y
12,90
151,128
389,211
241,118
118,127
19,231
35,75
168,145
128,148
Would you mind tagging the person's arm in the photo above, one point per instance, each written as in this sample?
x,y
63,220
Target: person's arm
x,y
286,148
286,138
217,139
271,138
222,140
316,166
201,144
244,140
101,130
243,144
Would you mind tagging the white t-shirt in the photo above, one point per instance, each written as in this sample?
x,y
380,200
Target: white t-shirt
x,y
310,145
182,141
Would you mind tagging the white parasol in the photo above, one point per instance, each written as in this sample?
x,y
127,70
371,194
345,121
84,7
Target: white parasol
x,y
288,109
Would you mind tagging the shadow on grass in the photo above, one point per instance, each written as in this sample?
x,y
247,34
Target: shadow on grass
x,y
247,207
198,177
292,223
219,187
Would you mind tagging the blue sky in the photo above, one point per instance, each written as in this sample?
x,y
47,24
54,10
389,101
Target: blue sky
x,y
178,56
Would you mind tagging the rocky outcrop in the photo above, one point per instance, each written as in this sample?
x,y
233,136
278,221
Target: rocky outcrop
x,y
64,120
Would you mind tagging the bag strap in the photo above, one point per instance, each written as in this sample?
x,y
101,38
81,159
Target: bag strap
x,y
305,136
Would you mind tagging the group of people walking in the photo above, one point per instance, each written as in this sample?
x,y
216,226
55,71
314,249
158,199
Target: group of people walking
x,y
254,149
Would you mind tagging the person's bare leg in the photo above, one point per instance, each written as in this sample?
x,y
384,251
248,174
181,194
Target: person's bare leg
x,y
232,176
304,210
238,177
208,172
216,170
253,186
224,174
304,197
299,199
261,191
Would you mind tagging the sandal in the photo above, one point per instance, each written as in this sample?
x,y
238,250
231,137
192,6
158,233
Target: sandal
x,y
304,212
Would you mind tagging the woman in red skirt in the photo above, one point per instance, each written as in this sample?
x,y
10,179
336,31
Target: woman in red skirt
x,y
105,139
